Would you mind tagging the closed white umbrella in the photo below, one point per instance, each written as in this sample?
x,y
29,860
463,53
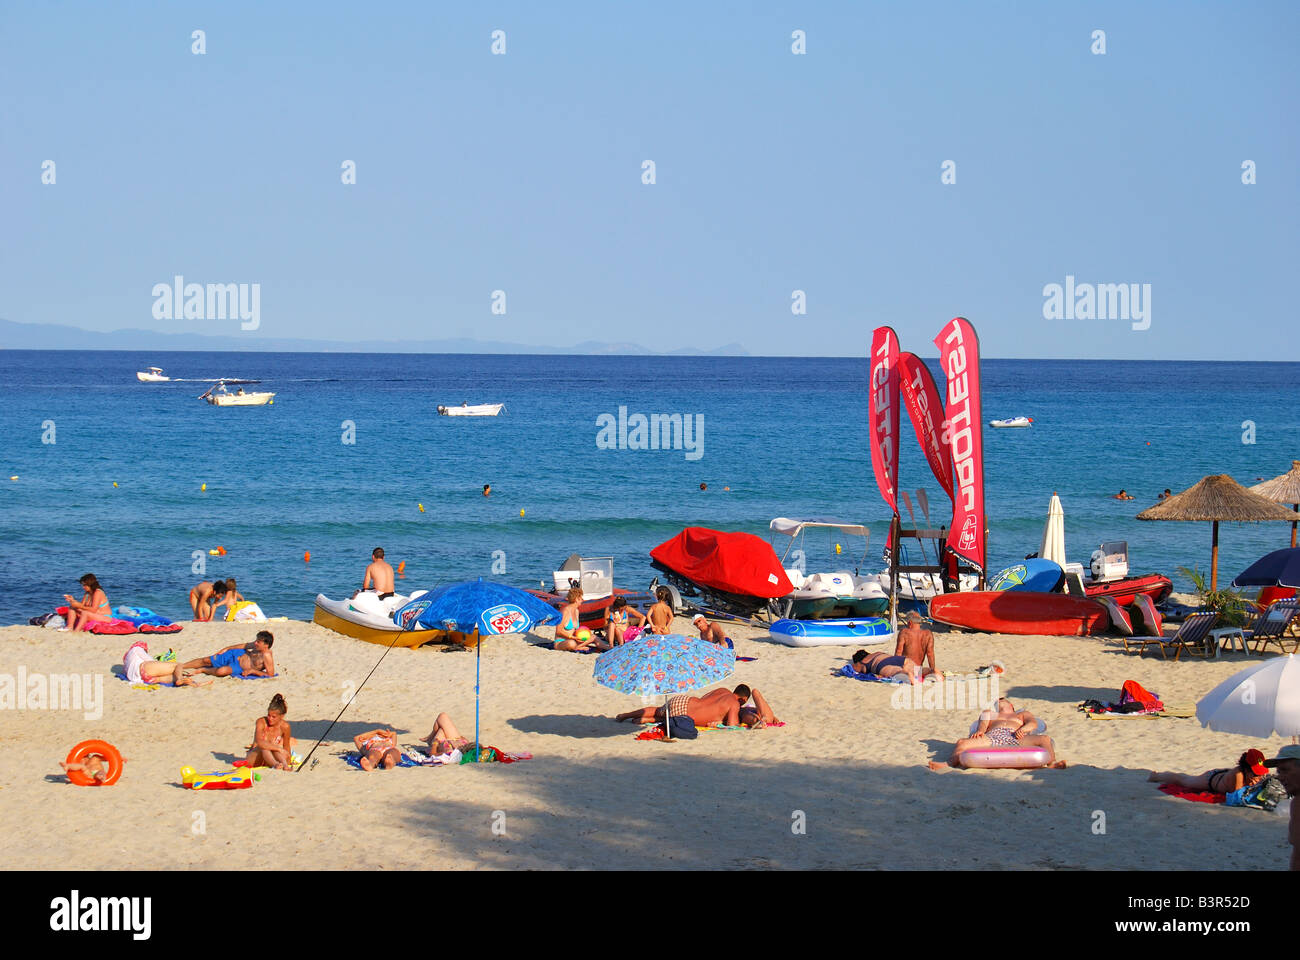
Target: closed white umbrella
x,y
1053,545
1259,701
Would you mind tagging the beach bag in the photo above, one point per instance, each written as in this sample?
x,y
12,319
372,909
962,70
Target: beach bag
x,y
1265,795
681,728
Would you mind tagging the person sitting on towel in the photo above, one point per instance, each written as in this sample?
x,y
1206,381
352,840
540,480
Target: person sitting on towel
x,y
880,664
1248,771
711,632
916,644
1003,726
616,623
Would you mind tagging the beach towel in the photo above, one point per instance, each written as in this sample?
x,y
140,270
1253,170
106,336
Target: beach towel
x,y
111,627
848,671
354,760
141,616
1195,795
492,755
160,628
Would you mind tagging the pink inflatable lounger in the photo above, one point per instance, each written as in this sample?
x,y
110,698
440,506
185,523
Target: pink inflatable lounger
x,y
1021,758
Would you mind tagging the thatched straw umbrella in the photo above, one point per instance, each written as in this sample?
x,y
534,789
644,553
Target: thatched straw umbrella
x,y
1283,489
1213,500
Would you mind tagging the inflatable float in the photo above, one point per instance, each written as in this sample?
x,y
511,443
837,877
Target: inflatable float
x,y
242,779
1012,422
95,748
1041,576
1005,758
831,633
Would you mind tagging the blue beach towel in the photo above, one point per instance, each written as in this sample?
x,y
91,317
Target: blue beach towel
x,y
354,760
141,616
848,671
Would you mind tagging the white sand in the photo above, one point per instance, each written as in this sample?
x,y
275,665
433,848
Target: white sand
x,y
594,797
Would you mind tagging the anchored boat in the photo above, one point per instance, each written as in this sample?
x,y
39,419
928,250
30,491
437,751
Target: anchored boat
x,y
478,410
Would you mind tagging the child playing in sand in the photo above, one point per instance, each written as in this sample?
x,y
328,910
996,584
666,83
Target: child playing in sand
x,y
660,615
377,747
272,743
93,766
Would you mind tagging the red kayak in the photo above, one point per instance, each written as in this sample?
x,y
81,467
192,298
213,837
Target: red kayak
x,y
1021,612
1127,590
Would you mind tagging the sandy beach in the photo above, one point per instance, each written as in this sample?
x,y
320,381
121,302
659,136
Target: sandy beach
x,y
593,797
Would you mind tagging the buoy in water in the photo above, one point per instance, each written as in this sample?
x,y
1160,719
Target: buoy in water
x,y
203,486
115,483
13,478
521,511
221,550
837,548
306,557
401,568
213,553
421,506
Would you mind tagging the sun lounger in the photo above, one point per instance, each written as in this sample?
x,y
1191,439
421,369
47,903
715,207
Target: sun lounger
x,y
1193,635
1272,626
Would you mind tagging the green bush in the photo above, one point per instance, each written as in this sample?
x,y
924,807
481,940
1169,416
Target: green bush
x,y
1234,610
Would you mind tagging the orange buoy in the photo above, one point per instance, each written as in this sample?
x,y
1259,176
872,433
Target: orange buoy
x,y
96,748
221,550
401,568
306,557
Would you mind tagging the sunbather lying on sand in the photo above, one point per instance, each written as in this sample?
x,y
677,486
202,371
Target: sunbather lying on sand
x,y
716,706
1004,726
759,715
142,668
882,665
444,738
377,747
1249,771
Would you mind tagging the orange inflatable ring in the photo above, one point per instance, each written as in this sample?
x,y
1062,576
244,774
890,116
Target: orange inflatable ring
x,y
99,748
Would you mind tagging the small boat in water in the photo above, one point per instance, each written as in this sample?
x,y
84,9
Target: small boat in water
x,y
221,397
478,410
154,375
1012,422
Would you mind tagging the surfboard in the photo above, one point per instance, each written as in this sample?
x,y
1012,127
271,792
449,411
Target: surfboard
x,y
1041,576
1022,612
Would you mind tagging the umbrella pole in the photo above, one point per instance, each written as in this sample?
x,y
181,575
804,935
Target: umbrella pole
x,y
1214,557
1296,508
478,660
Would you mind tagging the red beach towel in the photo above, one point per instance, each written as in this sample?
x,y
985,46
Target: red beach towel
x,y
1195,795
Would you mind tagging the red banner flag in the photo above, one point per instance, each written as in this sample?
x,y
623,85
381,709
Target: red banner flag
x,y
959,354
882,411
926,410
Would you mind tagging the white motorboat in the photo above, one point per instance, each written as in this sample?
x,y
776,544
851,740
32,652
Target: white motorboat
x,y
1012,422
477,410
154,375
839,593
221,397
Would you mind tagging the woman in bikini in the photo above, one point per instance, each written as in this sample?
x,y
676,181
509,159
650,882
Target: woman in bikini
x,y
444,738
616,629
1249,771
566,634
272,743
93,606
377,747
660,615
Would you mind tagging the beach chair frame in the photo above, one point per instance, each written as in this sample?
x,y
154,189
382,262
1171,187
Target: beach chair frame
x,y
1193,635
1275,625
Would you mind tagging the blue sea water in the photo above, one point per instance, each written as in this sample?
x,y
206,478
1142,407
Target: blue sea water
x,y
787,436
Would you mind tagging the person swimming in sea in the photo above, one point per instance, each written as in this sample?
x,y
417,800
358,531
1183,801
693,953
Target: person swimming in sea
x,y
1123,495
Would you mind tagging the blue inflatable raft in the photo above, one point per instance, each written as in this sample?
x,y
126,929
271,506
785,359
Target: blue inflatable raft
x,y
859,631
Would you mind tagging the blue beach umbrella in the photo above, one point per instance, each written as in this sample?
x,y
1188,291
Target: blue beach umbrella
x,y
1281,568
478,607
663,665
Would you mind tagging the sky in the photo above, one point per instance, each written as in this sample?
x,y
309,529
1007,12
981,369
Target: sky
x,y
774,171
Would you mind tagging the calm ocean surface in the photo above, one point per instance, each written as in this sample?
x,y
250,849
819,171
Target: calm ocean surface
x,y
788,436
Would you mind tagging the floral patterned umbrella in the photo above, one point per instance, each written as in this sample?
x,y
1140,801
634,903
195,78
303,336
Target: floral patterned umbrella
x,y
662,665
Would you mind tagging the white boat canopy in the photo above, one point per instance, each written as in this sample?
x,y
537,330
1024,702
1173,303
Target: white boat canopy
x,y
792,528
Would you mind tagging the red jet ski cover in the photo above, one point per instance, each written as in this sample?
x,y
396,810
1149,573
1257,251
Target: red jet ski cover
x,y
734,562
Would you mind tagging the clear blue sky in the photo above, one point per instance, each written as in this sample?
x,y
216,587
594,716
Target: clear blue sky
x,y
775,172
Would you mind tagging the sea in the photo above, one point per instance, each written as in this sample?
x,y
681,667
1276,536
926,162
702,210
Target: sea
x,y
139,482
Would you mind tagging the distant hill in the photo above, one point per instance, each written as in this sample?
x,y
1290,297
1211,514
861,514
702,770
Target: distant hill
x,y
47,336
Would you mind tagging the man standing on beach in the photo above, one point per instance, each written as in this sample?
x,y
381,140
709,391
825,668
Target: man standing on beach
x,y
1287,765
379,575
916,644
